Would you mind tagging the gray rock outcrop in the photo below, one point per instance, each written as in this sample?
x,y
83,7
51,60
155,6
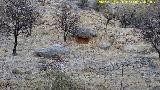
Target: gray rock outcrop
x,y
105,45
51,51
83,32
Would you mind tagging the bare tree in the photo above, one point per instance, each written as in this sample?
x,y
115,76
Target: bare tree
x,y
150,26
151,32
109,16
147,19
67,19
19,17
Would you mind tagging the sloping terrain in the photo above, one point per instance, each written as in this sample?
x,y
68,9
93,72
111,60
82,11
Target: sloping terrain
x,y
128,63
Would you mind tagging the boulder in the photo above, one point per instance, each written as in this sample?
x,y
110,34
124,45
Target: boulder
x,y
83,32
52,51
105,45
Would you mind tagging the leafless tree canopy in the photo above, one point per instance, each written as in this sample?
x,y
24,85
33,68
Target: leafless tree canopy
x,y
147,19
18,17
67,19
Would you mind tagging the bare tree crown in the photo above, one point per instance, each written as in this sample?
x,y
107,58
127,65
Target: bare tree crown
x,y
18,17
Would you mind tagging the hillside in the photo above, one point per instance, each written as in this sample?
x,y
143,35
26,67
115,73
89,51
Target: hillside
x,y
117,59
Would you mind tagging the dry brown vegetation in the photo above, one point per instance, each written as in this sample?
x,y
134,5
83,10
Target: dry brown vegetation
x,y
118,58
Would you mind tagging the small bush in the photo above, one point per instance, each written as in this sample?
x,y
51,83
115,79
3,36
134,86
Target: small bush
x,y
83,3
99,6
108,15
55,80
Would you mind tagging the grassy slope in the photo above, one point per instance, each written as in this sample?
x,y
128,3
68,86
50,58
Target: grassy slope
x,y
81,57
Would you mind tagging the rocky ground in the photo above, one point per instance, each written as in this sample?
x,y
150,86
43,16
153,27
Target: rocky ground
x,y
117,59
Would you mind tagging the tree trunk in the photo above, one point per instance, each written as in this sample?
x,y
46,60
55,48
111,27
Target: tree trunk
x,y
65,31
107,22
64,36
159,55
156,48
15,42
158,51
29,33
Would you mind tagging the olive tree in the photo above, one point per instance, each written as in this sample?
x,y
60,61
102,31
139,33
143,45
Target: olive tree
x,y
149,24
150,29
147,19
18,18
67,19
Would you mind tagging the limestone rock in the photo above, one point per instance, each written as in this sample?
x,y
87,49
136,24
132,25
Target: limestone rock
x,y
105,45
52,51
83,32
